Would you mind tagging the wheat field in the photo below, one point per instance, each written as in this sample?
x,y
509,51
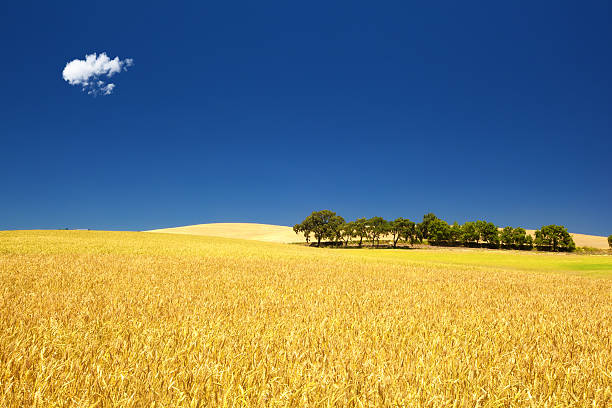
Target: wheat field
x,y
131,319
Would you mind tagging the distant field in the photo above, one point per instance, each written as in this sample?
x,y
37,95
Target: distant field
x,y
283,234
257,232
140,319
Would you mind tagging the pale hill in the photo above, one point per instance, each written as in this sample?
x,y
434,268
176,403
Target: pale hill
x,y
257,232
283,234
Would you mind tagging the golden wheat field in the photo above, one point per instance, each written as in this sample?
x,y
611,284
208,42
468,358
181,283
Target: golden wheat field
x,y
132,319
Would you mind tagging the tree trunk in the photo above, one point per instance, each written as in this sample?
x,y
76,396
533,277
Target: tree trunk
x,y
319,241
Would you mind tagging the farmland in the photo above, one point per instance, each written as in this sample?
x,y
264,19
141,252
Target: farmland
x,y
140,319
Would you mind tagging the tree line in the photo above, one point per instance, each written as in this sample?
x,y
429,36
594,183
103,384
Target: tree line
x,y
326,226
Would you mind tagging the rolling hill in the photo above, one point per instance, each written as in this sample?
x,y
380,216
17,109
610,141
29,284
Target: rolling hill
x,y
257,232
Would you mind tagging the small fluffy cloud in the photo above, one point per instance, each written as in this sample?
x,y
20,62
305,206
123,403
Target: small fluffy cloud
x,y
91,73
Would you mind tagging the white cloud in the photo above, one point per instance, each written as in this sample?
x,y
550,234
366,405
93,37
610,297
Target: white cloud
x,y
108,89
90,72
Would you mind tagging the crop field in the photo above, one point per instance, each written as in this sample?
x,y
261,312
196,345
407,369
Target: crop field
x,y
134,319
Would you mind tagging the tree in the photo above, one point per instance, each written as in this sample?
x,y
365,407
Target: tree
x,y
555,238
297,228
335,228
480,226
489,233
455,233
507,237
610,241
305,227
528,242
424,225
521,239
411,233
439,232
470,233
347,231
376,227
361,229
324,224
400,228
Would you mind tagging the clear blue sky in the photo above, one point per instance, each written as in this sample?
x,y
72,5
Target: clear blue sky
x,y
265,111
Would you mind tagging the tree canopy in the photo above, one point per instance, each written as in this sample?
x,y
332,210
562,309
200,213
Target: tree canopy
x,y
424,225
326,225
347,232
438,231
489,233
376,226
521,239
402,228
506,236
470,234
361,230
554,238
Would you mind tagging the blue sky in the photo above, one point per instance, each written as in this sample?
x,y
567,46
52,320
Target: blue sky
x,y
265,111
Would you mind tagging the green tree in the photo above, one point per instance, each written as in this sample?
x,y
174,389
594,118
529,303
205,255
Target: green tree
x,y
521,239
305,227
347,231
324,224
424,225
411,233
489,233
610,241
470,233
507,237
480,226
399,228
335,228
456,232
528,242
439,232
555,238
297,228
376,227
335,233
361,229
